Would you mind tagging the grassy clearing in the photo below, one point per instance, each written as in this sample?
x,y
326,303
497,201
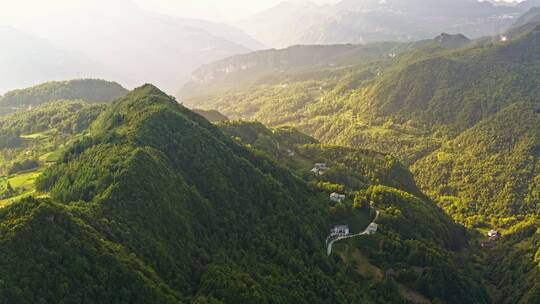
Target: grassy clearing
x,y
24,181
22,184
51,157
36,136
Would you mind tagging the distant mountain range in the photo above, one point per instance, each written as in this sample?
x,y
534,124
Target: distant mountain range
x,y
103,44
353,21
27,60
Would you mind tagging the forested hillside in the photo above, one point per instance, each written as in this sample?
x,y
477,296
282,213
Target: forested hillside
x,y
90,90
489,175
32,140
352,168
156,204
462,115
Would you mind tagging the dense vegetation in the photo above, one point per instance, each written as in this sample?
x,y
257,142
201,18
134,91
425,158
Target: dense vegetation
x,y
211,115
33,139
91,90
146,201
514,267
156,204
489,175
352,168
463,118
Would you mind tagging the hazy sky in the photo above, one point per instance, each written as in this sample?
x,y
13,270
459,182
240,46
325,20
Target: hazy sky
x,y
15,11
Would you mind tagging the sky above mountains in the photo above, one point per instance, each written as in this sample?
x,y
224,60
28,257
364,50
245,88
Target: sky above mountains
x,y
216,10
160,41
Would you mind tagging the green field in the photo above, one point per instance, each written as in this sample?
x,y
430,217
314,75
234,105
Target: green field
x,y
36,136
50,157
24,181
23,184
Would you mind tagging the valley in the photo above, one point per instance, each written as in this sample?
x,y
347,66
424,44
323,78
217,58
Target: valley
x,y
392,156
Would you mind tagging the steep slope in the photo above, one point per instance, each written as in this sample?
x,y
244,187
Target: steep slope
x,y
211,115
457,89
532,16
90,90
159,199
520,250
489,174
353,168
403,105
31,140
276,66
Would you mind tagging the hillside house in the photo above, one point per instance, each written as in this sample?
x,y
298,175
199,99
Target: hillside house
x,y
493,235
340,230
336,197
319,168
372,228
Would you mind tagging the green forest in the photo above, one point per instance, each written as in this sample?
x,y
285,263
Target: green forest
x,y
427,152
461,115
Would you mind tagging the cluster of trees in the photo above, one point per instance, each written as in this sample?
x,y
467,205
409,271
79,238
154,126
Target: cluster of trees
x,y
28,139
488,176
201,218
161,200
433,240
91,90
464,119
23,165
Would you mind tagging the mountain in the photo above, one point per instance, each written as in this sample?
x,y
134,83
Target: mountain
x,y
351,21
528,4
353,168
521,241
155,204
452,41
262,67
428,98
211,115
463,115
531,17
33,139
32,60
497,155
281,26
140,45
90,90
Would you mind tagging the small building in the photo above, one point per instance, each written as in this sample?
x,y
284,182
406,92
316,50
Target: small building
x,y
336,197
372,228
493,235
340,230
319,168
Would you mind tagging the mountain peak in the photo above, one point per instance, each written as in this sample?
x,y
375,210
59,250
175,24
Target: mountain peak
x,y
452,40
146,90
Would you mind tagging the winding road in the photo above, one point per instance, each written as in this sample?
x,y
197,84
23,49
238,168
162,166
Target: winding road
x,y
330,241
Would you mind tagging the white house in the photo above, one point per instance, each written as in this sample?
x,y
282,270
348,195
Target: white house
x,y
340,230
372,228
319,168
336,197
493,235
